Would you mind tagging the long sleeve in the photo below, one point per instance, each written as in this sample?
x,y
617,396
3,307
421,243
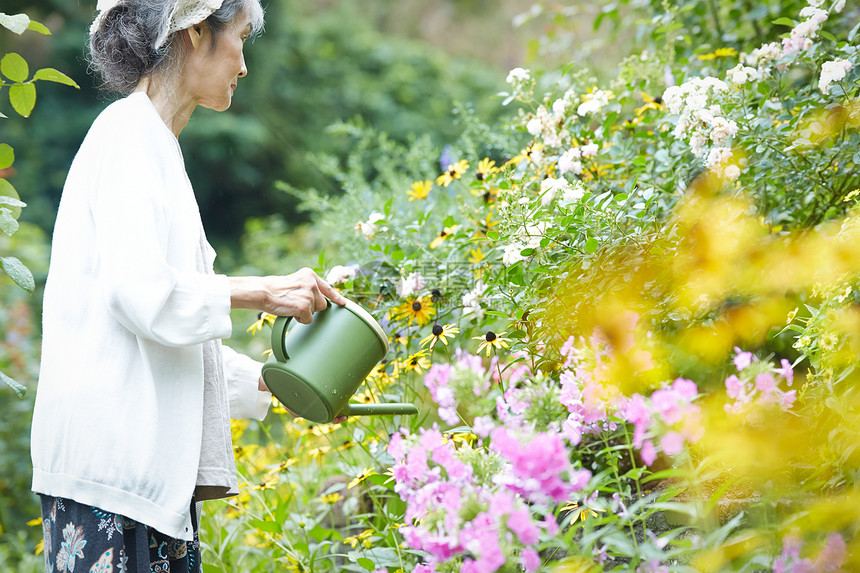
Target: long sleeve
x,y
242,374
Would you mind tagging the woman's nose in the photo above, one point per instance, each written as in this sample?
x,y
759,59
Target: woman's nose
x,y
243,71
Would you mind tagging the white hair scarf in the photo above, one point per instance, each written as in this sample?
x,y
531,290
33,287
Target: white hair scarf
x,y
185,13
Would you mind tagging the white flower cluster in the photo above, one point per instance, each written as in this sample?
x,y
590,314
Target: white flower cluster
x,y
700,123
340,274
546,125
410,285
569,162
472,300
593,102
740,74
832,71
569,192
801,35
369,228
763,57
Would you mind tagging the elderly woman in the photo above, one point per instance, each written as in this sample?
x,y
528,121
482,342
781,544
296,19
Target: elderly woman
x,y
131,424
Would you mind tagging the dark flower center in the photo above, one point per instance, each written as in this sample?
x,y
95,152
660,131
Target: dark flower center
x,y
452,173
479,176
491,336
416,306
437,330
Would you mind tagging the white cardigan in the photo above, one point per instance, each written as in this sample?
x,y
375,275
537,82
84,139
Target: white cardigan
x,y
118,422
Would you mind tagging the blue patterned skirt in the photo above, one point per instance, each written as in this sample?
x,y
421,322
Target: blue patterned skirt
x,y
81,538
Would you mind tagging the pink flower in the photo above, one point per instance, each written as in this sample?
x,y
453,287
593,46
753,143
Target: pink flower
x,y
786,371
635,410
520,522
672,443
667,405
550,525
765,383
648,452
684,388
422,568
742,359
734,387
530,559
832,554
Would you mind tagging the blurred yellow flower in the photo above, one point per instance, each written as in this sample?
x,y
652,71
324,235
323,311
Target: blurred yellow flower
x,y
475,256
719,53
420,190
650,103
526,154
452,173
486,167
363,538
418,362
443,234
262,319
365,473
331,498
439,333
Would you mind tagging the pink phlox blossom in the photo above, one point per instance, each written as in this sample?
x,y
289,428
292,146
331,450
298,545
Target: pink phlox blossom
x,y
652,566
635,410
648,452
538,467
832,554
786,371
396,448
425,568
742,359
482,426
480,539
456,470
431,439
621,509
736,389
668,405
571,429
550,525
568,352
571,391
672,443
439,545
520,522
786,399
530,559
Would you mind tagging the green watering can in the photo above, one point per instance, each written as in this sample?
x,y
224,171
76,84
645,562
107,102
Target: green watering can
x,y
315,368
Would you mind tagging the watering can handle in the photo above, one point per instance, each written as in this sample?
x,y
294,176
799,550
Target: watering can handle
x,y
279,331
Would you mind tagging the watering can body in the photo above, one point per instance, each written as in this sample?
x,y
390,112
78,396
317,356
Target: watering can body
x,y
315,368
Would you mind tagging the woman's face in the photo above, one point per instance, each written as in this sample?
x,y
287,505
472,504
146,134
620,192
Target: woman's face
x,y
214,67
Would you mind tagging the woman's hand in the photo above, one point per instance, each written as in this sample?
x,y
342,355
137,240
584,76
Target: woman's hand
x,y
299,295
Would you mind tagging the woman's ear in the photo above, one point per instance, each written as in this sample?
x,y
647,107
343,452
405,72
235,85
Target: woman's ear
x,y
195,34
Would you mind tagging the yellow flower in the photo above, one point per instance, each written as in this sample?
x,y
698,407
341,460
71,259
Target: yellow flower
x,y
319,452
650,103
443,234
363,538
268,483
262,318
453,172
581,511
475,256
486,167
527,153
439,333
418,310
492,340
719,53
331,498
418,362
420,190
365,473
286,464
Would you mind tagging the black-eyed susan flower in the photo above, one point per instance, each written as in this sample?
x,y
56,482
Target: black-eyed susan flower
x,y
492,340
262,319
527,153
331,498
649,103
452,173
418,362
363,475
719,53
363,538
439,334
443,234
418,310
486,167
419,190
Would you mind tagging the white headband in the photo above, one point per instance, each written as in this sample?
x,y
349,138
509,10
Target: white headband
x,y
185,13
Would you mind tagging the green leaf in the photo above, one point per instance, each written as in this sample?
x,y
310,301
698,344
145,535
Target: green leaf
x,y
7,155
784,22
16,23
449,221
7,190
366,563
23,98
19,273
14,67
827,35
52,75
264,525
20,390
39,28
591,245
493,235
8,223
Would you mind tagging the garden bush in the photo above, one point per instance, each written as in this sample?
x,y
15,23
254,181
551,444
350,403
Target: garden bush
x,y
629,319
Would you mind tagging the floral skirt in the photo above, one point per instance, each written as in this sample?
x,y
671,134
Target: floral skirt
x,y
81,538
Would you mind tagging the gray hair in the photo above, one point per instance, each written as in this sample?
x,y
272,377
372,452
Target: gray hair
x,y
121,51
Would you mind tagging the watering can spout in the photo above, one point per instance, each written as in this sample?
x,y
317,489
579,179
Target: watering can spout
x,y
392,409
